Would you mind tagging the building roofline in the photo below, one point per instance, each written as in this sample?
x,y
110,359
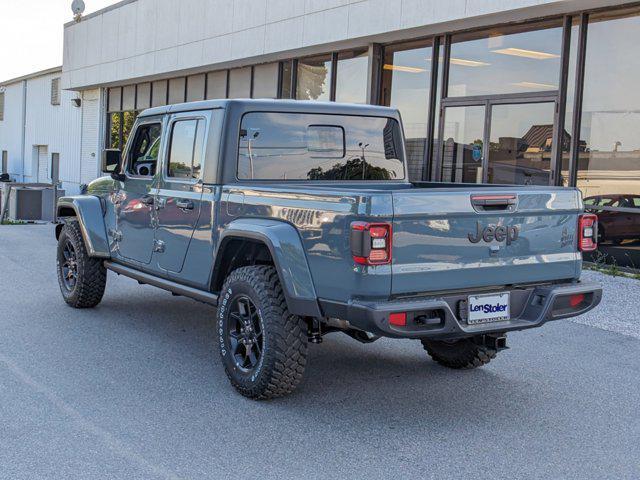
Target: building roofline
x,y
100,12
28,76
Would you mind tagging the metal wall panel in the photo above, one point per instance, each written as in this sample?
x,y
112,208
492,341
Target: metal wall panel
x,y
217,85
11,128
144,96
195,87
115,99
159,93
265,81
129,98
240,83
177,90
57,127
90,146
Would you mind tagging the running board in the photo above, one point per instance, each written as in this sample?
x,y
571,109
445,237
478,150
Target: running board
x,y
173,287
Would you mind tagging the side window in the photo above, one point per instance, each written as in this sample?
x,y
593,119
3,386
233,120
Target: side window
x,y
143,155
186,149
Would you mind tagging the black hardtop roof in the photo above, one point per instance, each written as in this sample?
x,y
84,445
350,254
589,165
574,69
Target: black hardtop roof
x,y
298,106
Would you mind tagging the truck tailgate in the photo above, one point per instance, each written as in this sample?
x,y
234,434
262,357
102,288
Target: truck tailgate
x,y
446,239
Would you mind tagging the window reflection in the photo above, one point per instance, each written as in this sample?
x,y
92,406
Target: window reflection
x,y
288,146
181,150
143,154
405,86
521,143
609,153
505,63
351,77
462,148
314,79
286,79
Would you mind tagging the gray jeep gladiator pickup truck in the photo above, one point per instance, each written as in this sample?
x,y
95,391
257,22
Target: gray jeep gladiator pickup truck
x,y
296,219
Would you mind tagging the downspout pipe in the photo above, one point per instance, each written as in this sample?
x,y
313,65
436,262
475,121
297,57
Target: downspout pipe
x,y
24,127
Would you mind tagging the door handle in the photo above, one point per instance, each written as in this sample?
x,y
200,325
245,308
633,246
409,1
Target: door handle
x,y
148,200
184,204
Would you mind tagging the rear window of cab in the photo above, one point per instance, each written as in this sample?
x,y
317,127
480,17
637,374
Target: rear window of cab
x,y
298,146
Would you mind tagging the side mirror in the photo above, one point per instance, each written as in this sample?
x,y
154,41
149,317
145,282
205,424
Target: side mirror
x,y
111,162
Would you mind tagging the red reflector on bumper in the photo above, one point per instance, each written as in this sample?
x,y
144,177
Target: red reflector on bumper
x,y
398,319
576,300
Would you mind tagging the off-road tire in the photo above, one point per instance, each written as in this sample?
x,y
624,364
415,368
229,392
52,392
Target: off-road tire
x,y
284,345
463,354
91,274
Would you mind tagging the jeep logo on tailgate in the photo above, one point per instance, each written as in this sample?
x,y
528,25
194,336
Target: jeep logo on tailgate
x,y
494,232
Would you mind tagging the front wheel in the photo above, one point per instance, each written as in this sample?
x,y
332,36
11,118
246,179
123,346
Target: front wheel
x,y
263,347
82,279
462,354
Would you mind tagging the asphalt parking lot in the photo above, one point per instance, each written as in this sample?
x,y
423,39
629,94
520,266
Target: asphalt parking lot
x,y
133,389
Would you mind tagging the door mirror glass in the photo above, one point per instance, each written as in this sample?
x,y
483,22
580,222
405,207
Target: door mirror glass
x,y
111,159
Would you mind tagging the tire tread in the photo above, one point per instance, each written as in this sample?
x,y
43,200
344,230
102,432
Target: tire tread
x,y
288,332
464,354
92,279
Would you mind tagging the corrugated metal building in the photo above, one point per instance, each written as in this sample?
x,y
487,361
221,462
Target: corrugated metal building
x,y
38,119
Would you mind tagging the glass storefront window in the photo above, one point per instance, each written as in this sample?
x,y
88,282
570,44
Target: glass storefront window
x,y
503,63
128,119
314,78
609,148
405,85
521,143
351,77
120,126
462,148
114,130
286,79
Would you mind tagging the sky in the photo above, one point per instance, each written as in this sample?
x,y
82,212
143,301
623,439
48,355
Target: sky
x,y
31,33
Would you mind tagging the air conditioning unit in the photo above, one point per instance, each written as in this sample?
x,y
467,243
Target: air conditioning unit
x,y
25,203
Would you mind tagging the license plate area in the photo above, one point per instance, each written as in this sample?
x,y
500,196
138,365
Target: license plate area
x,y
489,308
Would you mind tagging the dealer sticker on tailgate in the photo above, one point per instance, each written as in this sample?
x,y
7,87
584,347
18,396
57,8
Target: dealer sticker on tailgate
x,y
488,308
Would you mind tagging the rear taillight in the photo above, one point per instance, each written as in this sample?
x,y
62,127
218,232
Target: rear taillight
x,y
588,232
371,243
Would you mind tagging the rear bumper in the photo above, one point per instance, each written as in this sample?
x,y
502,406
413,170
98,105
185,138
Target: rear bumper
x,y
440,318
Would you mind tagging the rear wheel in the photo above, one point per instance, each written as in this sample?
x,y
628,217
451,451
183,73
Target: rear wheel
x,y
82,279
263,347
460,354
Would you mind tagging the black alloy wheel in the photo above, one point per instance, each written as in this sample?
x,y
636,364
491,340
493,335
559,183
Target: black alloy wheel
x,y
69,266
244,333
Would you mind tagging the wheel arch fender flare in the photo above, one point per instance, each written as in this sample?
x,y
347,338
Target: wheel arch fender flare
x,y
89,212
287,251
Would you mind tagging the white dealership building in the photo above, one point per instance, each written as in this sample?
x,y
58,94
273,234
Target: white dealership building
x,y
492,91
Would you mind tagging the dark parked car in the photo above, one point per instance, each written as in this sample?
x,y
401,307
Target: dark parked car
x,y
614,224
